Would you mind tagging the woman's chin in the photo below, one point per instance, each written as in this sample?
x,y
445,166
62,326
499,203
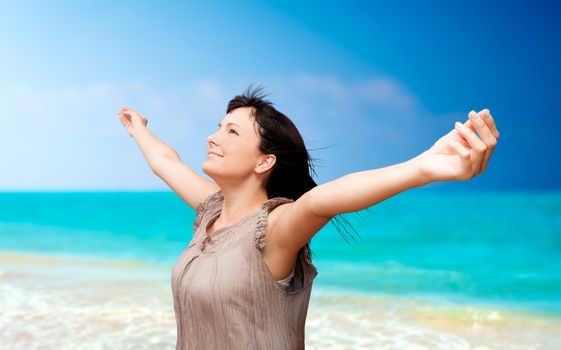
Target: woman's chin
x,y
205,166
208,169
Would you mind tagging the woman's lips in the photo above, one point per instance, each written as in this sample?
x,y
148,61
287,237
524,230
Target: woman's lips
x,y
215,154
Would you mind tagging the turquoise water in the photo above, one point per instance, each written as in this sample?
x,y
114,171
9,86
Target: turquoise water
x,y
488,248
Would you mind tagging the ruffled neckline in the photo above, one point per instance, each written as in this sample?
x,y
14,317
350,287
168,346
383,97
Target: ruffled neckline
x,y
219,196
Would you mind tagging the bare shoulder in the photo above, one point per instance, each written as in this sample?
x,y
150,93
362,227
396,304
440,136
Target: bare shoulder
x,y
205,192
276,214
292,225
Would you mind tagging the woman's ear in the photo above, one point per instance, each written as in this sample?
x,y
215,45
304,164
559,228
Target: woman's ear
x,y
265,163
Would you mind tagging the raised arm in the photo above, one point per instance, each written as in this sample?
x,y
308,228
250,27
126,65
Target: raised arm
x,y
458,155
165,162
300,220
360,190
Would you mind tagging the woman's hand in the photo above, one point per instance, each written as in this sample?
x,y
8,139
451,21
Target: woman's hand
x,y
461,154
132,120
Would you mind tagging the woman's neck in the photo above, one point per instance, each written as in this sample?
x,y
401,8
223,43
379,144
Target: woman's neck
x,y
239,202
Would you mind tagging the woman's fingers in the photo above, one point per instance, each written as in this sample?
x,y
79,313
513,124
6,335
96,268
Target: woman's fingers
x,y
478,148
466,168
460,149
482,144
486,114
482,128
125,121
458,135
127,110
127,124
486,134
132,115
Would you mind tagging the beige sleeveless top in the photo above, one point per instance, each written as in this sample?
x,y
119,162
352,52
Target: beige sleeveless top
x,y
225,296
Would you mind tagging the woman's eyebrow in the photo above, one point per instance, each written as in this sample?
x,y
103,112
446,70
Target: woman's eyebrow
x,y
220,124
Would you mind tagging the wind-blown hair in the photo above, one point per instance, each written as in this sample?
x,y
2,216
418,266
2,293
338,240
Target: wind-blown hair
x,y
290,176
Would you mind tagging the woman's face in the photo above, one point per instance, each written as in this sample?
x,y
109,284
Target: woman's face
x,y
236,144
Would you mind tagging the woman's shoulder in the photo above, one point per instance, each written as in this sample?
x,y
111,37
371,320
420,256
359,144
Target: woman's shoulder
x,y
210,203
212,198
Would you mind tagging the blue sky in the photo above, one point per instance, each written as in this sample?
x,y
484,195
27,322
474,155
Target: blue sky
x,y
375,83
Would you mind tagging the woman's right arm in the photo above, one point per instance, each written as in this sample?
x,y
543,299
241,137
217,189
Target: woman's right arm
x,y
166,163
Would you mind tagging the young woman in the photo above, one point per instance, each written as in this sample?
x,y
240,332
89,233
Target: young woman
x,y
245,278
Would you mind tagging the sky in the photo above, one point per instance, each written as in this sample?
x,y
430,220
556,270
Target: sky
x,y
368,84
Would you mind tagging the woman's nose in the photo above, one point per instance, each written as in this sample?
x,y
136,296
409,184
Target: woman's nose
x,y
211,138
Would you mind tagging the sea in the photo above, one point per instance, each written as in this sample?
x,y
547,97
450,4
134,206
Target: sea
x,y
425,269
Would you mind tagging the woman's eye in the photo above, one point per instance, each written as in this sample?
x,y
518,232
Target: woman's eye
x,y
234,131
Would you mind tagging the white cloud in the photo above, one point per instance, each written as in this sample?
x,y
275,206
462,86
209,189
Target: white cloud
x,y
209,89
386,92
379,91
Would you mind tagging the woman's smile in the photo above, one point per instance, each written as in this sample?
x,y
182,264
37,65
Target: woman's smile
x,y
209,154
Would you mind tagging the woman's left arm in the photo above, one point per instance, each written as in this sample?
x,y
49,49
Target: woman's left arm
x,y
458,155
363,189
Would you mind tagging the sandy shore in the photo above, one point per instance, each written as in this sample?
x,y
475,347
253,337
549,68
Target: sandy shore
x,y
67,303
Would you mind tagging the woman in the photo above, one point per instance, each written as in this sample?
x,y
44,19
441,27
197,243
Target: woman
x,y
244,280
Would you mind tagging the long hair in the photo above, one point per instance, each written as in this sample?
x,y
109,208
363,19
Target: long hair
x,y
291,176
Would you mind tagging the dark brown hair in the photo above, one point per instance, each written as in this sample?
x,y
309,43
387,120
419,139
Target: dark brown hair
x,y
290,176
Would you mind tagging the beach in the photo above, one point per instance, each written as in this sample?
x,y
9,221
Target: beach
x,y
62,303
